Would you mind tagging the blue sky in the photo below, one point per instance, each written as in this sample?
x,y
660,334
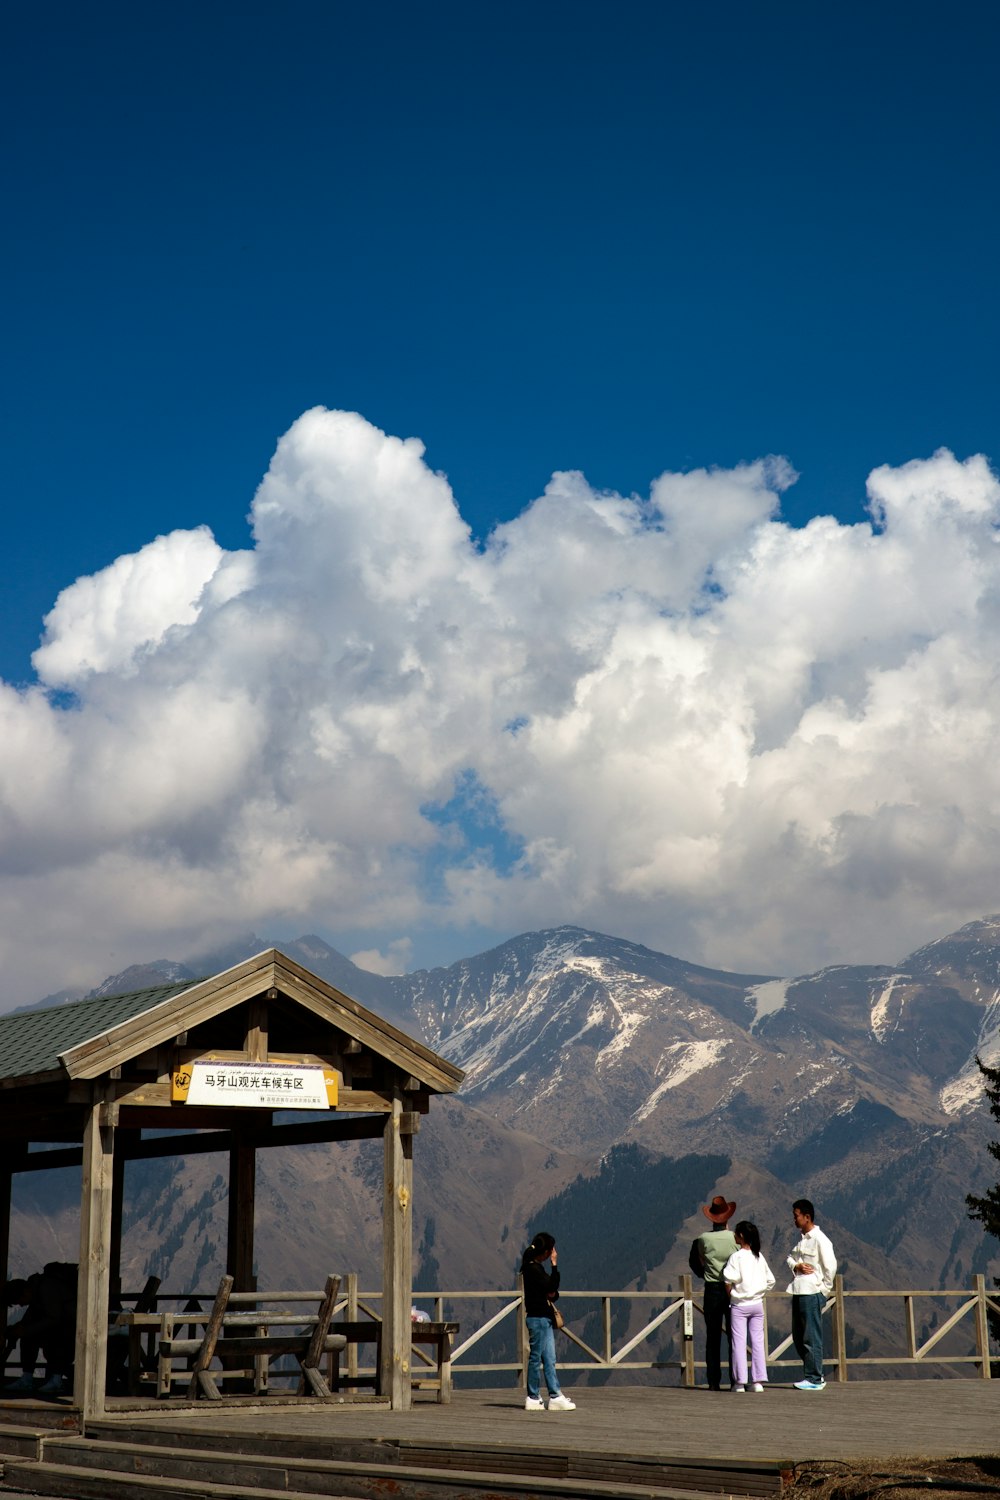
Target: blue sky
x,y
556,236
616,240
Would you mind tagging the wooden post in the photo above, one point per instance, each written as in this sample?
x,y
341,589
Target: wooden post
x,y
352,1317
96,1191
256,1033
242,1193
115,1249
687,1292
839,1328
397,1257
606,1310
766,1334
522,1339
6,1187
982,1328
911,1327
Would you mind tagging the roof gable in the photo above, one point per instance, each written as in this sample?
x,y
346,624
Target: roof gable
x,y
165,1012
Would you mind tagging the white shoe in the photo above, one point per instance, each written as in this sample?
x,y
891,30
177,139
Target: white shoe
x,y
758,1388
534,1403
561,1403
740,1388
56,1385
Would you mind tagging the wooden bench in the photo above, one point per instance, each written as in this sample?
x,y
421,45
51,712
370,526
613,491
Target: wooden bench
x,y
236,1337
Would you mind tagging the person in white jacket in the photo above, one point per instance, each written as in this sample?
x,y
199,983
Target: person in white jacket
x,y
749,1278
813,1266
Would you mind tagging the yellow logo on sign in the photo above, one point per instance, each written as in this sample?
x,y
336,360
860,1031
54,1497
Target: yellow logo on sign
x,y
180,1082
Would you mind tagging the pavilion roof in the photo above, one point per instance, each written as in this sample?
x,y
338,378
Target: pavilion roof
x,y
86,1038
31,1040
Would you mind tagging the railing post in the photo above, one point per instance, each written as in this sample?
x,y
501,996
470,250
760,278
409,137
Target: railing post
x,y
606,1311
352,1317
688,1326
522,1339
982,1328
839,1328
911,1327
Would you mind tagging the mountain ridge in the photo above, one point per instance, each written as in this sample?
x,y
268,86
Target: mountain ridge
x,y
855,1085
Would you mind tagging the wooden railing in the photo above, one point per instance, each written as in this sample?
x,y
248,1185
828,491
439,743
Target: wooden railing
x,y
676,1311
679,1311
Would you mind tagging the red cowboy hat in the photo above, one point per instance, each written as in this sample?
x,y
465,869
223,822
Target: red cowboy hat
x,y
719,1210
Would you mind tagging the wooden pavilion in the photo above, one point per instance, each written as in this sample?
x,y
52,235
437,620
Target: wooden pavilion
x,y
215,1060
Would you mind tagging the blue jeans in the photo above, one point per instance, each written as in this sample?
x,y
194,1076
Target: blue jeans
x,y
541,1356
807,1332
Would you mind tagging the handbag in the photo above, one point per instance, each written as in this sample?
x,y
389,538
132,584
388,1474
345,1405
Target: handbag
x,y
558,1318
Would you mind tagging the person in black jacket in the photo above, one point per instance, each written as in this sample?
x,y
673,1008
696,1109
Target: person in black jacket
x,y
48,1323
541,1291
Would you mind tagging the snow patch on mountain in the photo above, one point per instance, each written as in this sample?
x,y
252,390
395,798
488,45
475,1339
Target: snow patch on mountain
x,y
683,1060
886,1014
767,999
965,1090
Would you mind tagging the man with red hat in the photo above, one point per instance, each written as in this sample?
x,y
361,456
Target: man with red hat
x,y
709,1254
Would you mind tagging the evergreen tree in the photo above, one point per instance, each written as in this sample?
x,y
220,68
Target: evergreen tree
x,y
987,1208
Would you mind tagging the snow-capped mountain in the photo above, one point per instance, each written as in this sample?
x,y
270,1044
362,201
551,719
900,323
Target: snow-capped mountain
x,y
608,1039
856,1086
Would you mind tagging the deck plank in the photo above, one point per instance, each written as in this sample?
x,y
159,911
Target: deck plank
x,y
862,1420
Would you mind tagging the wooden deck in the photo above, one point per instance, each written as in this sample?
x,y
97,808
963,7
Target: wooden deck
x,y
626,1442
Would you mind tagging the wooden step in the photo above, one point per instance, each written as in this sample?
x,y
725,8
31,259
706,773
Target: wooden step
x,y
52,1416
21,1442
74,1483
514,1464
122,1465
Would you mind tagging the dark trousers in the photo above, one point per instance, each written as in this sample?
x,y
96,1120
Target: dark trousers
x,y
807,1332
716,1319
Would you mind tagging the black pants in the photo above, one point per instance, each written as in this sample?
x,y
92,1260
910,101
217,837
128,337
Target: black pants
x,y
716,1319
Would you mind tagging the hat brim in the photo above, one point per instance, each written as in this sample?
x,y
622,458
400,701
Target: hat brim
x,y
720,1216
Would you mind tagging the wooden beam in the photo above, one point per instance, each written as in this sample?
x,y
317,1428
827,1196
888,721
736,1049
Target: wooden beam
x,y
200,1143
313,1133
35,1161
397,1259
256,1039
95,1251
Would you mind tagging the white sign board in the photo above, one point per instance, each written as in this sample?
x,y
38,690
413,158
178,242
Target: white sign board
x,y
258,1085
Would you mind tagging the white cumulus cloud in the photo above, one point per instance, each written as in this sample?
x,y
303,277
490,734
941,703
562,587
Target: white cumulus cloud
x,y
673,717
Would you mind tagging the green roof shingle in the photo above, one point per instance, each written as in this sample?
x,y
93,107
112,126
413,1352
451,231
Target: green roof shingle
x,y
31,1040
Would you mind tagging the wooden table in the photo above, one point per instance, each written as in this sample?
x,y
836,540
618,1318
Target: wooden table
x,y
439,1337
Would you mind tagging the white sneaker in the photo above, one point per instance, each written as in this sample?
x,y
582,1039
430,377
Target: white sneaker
x,y
740,1388
534,1403
758,1388
561,1403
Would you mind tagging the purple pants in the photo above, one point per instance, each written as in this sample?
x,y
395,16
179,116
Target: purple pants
x,y
748,1317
